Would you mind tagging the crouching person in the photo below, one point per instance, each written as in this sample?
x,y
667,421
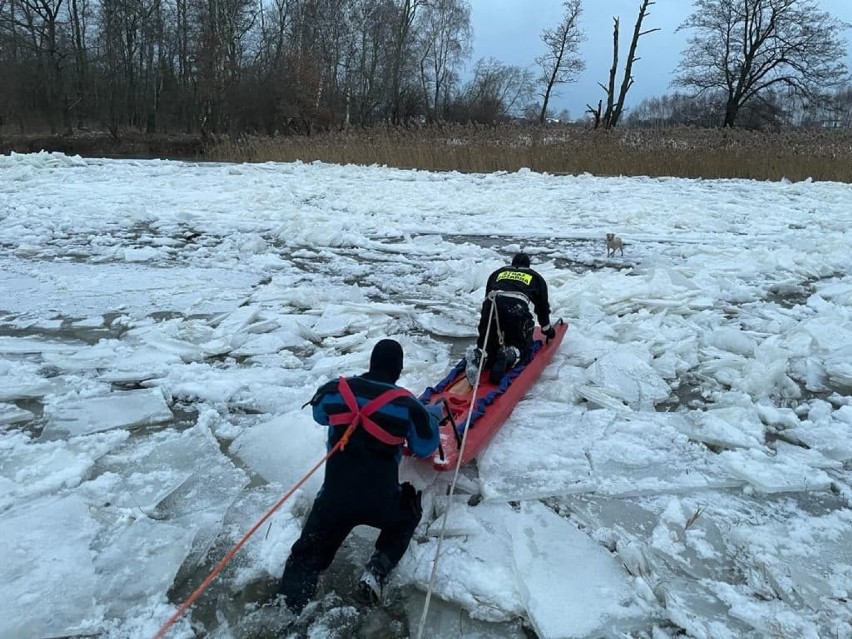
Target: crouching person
x,y
361,485
509,325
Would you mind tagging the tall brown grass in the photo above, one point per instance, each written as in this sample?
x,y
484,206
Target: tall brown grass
x,y
682,152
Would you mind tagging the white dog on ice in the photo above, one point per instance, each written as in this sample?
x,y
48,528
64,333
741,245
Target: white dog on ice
x,y
613,243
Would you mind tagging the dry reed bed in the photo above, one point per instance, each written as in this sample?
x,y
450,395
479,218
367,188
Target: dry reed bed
x,y
682,152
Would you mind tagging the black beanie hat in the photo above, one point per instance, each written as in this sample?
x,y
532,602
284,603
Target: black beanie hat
x,y
386,360
522,260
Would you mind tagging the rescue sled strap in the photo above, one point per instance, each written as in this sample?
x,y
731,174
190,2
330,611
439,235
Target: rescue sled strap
x,y
493,295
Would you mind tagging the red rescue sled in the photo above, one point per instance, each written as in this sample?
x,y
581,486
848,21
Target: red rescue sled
x,y
494,402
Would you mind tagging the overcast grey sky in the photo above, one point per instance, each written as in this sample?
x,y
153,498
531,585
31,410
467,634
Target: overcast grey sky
x,y
510,30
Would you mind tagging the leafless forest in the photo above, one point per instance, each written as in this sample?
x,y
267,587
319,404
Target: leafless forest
x,y
383,80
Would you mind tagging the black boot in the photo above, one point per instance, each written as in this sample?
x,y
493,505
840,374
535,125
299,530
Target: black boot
x,y
507,357
372,582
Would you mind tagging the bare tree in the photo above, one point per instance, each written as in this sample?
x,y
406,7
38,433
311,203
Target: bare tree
x,y
615,107
406,15
595,112
561,64
840,109
496,91
41,25
746,48
675,110
223,27
443,39
369,73
834,113
132,37
78,14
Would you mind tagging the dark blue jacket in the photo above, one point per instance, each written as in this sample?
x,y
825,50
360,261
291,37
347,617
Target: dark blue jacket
x,y
365,459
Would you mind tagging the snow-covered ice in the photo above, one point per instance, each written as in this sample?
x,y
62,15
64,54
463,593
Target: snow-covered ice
x,y
682,467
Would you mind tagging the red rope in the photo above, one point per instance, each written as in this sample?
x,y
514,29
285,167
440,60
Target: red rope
x,y
233,551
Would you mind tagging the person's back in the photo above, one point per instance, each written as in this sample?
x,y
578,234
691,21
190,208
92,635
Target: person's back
x,y
367,462
512,289
524,281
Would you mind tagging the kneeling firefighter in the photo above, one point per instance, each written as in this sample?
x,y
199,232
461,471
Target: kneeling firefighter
x,y
511,290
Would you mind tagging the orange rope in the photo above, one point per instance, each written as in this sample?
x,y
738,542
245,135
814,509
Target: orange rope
x,y
215,572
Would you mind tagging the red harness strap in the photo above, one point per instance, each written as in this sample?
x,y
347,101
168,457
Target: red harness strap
x,y
361,416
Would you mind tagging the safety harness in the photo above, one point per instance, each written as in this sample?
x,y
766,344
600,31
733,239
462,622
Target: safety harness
x,y
492,296
361,415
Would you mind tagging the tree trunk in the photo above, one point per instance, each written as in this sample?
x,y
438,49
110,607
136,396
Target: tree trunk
x,y
610,90
731,110
80,63
547,91
627,80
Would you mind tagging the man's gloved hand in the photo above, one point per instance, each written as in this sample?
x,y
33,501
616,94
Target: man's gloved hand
x,y
548,331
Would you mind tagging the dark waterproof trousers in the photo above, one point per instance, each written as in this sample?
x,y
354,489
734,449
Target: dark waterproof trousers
x,y
517,325
395,512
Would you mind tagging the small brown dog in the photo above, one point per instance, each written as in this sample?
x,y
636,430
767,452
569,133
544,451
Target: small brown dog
x,y
613,243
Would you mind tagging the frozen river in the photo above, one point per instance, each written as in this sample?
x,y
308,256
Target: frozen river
x,y
682,468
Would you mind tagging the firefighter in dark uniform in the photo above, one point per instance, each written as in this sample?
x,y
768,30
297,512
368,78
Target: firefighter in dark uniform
x,y
513,289
361,485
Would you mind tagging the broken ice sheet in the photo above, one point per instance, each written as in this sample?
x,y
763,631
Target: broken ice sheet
x,y
571,586
135,493
140,562
807,456
11,414
807,559
251,388
33,468
200,502
446,620
628,376
771,618
138,365
839,369
266,343
230,330
452,518
601,397
733,340
119,409
509,468
687,537
48,567
474,571
827,430
336,321
263,555
194,483
727,427
23,380
632,518
179,337
692,605
235,321
644,453
606,452
283,449
445,325
35,346
781,473
101,355
95,321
